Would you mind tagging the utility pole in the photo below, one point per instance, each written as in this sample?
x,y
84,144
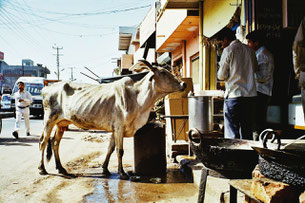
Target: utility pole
x,y
72,79
57,58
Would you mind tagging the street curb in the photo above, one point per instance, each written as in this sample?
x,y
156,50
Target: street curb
x,y
6,114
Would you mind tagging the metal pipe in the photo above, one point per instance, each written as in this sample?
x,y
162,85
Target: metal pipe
x,y
91,72
90,77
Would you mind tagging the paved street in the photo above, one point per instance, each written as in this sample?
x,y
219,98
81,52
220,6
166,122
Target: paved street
x,y
9,123
82,153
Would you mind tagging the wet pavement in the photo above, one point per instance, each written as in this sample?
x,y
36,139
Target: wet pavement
x,y
175,186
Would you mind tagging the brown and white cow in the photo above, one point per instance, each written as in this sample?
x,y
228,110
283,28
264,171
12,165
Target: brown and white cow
x,y
121,107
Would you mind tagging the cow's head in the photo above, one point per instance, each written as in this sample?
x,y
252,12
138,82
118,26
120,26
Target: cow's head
x,y
164,81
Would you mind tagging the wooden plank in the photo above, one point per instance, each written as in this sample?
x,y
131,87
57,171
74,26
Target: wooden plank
x,y
244,186
268,190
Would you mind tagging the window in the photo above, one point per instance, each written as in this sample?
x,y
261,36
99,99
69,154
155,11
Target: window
x,y
195,69
34,89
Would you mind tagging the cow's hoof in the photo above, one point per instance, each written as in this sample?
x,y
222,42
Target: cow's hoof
x,y
70,175
124,176
106,172
64,172
42,170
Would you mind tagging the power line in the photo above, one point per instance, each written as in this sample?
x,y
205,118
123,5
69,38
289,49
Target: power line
x,y
16,28
64,14
58,32
29,11
28,19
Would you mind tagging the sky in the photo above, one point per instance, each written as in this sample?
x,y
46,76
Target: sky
x,y
86,33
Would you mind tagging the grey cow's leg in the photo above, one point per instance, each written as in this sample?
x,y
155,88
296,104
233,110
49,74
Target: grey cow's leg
x,y
48,126
55,142
110,151
120,152
42,169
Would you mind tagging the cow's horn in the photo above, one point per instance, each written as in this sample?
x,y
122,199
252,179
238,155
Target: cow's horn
x,y
147,64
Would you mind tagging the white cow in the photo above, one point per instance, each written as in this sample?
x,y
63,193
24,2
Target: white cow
x,y
121,107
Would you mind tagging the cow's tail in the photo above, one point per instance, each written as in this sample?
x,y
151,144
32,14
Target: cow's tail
x,y
49,150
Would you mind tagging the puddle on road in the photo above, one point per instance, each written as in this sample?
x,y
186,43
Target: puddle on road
x,y
175,185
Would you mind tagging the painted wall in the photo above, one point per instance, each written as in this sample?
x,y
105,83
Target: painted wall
x,y
192,48
177,53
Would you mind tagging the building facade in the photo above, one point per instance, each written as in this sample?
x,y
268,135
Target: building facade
x,y
10,73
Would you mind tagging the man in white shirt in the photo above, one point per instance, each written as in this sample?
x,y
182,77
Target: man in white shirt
x,y
263,78
23,99
236,67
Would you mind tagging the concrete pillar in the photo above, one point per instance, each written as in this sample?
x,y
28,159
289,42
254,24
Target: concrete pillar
x,y
201,48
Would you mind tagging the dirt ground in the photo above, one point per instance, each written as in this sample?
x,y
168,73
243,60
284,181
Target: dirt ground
x,y
82,153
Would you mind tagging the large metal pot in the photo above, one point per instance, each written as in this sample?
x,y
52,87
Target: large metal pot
x,y
234,158
200,110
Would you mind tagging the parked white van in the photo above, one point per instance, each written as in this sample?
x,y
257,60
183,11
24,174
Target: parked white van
x,y
6,102
33,85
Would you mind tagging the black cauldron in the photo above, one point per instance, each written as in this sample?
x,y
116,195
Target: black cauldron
x,y
233,158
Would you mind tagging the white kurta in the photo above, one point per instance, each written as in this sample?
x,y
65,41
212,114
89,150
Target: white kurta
x,y
22,109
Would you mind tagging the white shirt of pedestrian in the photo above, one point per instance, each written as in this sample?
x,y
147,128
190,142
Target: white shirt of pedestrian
x,y
25,96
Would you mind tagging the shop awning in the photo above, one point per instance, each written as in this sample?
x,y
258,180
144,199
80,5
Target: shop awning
x,y
170,36
125,36
215,20
179,4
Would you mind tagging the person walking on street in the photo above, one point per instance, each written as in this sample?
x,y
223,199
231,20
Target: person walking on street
x,y
263,78
23,99
237,66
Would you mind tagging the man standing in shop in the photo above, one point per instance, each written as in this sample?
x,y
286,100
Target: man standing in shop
x,y
23,99
236,67
298,53
263,78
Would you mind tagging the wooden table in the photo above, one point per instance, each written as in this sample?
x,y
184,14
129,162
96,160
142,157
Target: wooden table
x,y
174,118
